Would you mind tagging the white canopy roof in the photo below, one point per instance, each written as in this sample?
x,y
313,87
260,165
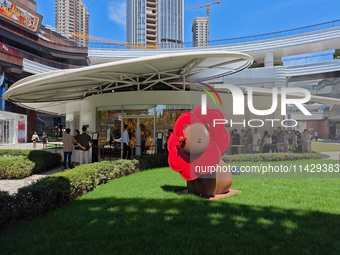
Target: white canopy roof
x,y
48,92
135,74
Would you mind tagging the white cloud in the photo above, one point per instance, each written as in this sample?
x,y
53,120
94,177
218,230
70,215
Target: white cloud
x,y
117,12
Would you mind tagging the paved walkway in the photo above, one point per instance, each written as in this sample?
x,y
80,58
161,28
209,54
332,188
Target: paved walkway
x,y
25,146
335,155
12,186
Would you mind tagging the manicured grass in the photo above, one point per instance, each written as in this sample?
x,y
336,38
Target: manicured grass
x,y
143,214
320,147
52,146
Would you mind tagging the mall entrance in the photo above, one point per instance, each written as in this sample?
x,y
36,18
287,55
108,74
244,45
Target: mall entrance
x,y
6,134
141,132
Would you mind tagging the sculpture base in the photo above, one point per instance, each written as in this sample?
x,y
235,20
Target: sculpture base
x,y
230,193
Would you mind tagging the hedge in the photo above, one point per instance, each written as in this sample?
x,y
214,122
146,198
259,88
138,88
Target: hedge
x,y
20,167
44,160
9,152
153,161
161,160
15,167
265,157
58,189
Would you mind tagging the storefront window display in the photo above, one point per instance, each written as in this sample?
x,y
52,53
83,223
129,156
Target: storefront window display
x,y
144,121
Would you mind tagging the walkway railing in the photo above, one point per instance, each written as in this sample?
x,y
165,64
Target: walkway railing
x,y
245,39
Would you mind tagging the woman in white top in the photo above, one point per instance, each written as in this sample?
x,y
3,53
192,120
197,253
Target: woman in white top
x,y
267,142
35,138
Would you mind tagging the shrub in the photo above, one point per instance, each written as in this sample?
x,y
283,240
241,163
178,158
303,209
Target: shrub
x,y
85,178
153,161
44,160
265,157
15,167
9,152
45,194
7,208
58,189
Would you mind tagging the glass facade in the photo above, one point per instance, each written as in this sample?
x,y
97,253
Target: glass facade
x,y
6,131
170,23
136,21
145,122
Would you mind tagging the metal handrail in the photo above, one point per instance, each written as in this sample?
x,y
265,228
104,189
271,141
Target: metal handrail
x,y
252,38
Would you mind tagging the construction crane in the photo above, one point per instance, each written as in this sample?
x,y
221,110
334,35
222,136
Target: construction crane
x,y
208,11
127,44
205,5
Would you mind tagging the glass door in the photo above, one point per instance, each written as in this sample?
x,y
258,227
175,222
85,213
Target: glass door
x,y
6,131
142,134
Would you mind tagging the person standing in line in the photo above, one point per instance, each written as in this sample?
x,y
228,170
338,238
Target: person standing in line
x,y
126,142
290,140
299,142
316,136
68,141
235,140
35,138
244,140
256,141
286,141
85,143
274,141
44,139
337,134
267,142
295,141
75,152
280,139
250,140
305,139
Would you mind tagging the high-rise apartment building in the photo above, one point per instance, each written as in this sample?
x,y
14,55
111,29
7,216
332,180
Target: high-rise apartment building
x,y
71,16
200,32
155,21
170,22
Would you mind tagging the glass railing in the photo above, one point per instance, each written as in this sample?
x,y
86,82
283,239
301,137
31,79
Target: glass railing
x,y
308,59
245,39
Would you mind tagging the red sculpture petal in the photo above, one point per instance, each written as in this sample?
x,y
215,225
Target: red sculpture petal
x,y
189,173
222,141
184,119
211,157
172,141
177,161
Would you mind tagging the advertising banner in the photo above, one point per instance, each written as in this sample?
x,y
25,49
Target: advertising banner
x,y
5,48
20,16
21,132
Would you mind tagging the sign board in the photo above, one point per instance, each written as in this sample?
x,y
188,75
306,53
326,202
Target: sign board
x,y
20,16
5,48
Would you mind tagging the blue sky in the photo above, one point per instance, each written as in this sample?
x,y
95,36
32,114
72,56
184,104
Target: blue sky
x,y
231,18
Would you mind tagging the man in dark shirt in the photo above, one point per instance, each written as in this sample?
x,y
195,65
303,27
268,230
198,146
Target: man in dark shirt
x,y
85,143
235,140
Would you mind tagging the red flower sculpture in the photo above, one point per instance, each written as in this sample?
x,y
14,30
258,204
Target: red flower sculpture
x,y
218,136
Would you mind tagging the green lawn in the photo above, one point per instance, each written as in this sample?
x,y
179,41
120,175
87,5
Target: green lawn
x,y
143,214
320,147
52,146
